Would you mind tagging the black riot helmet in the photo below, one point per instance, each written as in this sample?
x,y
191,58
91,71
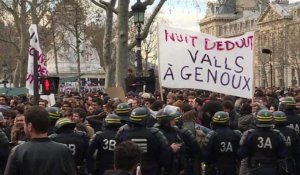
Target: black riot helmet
x,y
139,116
264,118
123,110
280,118
112,120
169,112
63,123
54,113
220,118
287,103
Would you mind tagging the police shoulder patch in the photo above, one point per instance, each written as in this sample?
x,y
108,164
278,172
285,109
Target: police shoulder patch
x,y
208,137
244,136
281,136
154,130
52,136
238,133
81,133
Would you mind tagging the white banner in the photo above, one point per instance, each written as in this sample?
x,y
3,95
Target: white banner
x,y
42,66
200,61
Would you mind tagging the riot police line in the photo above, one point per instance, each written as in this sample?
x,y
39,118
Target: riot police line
x,y
172,144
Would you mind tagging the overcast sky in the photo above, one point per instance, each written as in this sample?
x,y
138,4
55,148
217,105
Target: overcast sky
x,y
186,16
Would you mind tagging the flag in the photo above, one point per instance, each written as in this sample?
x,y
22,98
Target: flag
x,y
42,65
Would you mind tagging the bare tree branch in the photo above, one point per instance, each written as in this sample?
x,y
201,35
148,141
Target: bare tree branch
x,y
150,20
10,42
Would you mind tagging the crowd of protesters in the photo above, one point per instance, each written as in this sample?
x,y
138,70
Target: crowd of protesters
x,y
178,131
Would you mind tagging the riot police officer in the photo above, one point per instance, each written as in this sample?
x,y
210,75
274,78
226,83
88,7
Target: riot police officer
x,y
104,143
77,142
156,152
193,154
123,110
264,146
292,140
221,145
54,114
166,124
288,106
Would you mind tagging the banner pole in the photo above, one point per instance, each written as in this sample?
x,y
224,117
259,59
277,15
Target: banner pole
x,y
253,68
35,78
159,75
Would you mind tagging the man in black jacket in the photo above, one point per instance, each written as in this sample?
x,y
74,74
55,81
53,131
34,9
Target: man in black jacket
x,y
40,155
4,150
150,81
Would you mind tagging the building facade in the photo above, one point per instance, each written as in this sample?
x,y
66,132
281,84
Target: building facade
x,y
73,54
277,29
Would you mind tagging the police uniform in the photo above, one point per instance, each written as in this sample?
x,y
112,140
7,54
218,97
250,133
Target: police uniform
x,y
77,142
173,135
156,152
265,147
220,146
193,154
292,140
104,144
288,106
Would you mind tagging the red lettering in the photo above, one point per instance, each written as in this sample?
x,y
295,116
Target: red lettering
x,y
41,58
31,51
167,35
29,78
219,45
193,40
180,38
250,41
43,71
229,45
206,44
242,44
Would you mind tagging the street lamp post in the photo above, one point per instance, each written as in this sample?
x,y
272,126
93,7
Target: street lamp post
x,y
138,10
5,70
268,51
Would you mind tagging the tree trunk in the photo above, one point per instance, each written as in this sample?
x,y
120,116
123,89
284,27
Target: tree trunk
x,y
34,16
16,79
146,65
107,47
54,48
23,73
265,75
77,36
122,45
298,74
24,45
110,76
78,62
22,53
